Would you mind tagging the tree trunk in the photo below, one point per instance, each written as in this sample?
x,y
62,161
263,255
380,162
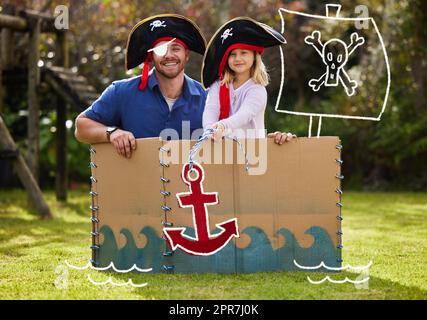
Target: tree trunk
x,y
61,129
33,103
27,179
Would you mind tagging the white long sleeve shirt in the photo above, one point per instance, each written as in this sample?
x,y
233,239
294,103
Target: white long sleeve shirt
x,y
247,108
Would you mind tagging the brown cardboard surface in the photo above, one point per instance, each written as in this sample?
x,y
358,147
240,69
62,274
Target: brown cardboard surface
x,y
297,190
129,189
299,180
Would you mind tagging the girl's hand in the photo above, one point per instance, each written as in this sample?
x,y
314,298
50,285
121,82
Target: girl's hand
x,y
281,137
219,133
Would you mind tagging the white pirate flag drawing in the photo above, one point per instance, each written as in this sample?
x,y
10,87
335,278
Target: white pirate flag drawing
x,y
337,57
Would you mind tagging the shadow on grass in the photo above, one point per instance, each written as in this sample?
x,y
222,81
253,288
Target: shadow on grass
x,y
19,234
263,285
81,209
13,201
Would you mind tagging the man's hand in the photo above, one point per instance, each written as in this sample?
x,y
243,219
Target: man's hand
x,y
281,137
124,142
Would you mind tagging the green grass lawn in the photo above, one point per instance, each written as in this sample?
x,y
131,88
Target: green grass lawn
x,y
388,228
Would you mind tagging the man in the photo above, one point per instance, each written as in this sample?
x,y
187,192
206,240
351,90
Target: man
x,y
141,107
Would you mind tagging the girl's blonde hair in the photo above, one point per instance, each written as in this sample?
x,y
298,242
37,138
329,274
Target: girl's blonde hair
x,y
258,72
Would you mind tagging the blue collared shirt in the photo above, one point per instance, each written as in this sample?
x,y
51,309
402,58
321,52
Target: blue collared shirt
x,y
146,113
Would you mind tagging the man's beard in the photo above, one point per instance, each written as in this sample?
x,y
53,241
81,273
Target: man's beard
x,y
171,74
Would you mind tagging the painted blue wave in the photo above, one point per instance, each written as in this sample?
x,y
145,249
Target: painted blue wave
x,y
257,256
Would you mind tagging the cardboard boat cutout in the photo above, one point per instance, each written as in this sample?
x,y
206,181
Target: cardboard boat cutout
x,y
291,212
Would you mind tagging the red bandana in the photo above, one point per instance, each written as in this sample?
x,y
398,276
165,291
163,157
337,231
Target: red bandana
x,y
224,90
146,66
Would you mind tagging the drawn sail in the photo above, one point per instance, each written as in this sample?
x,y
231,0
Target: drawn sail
x,y
340,58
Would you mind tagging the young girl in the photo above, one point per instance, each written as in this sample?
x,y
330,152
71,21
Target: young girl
x,y
236,76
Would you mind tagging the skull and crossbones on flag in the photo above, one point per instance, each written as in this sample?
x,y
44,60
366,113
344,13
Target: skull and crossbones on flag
x,y
332,66
334,54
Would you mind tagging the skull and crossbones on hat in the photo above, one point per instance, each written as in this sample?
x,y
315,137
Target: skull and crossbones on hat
x,y
227,33
157,24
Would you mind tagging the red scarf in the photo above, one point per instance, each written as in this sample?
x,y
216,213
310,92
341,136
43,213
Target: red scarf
x,y
224,90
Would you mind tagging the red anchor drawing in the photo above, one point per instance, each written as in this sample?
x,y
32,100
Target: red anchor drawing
x,y
204,244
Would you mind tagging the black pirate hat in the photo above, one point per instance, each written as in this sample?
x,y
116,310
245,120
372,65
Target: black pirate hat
x,y
241,32
144,35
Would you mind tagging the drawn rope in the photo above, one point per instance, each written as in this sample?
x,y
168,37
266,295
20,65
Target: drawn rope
x,y
207,133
